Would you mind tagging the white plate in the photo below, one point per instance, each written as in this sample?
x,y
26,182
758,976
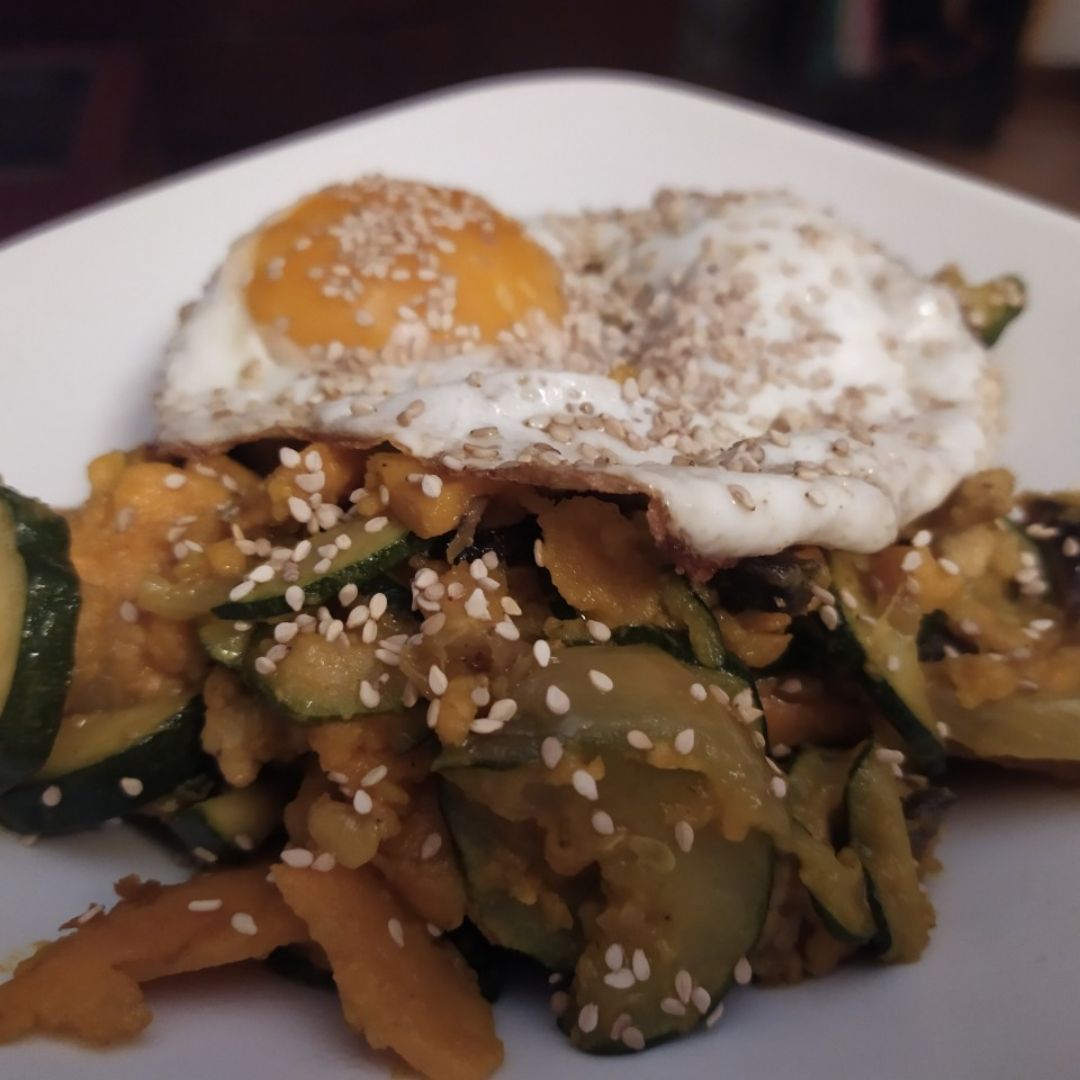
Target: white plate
x,y
87,306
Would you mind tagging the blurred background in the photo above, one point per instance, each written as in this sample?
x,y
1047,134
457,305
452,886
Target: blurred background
x,y
96,98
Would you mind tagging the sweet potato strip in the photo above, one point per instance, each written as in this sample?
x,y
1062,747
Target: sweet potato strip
x,y
86,985
419,998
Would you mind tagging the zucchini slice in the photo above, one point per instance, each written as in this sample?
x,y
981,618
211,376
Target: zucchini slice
x,y
989,307
491,849
879,836
887,660
320,680
231,825
107,764
694,904
223,642
367,555
37,632
816,792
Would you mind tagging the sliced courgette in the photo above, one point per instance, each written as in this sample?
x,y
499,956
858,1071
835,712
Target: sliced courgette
x,y
879,836
541,922
37,632
816,792
368,554
887,660
320,680
107,764
224,643
231,825
989,307
695,907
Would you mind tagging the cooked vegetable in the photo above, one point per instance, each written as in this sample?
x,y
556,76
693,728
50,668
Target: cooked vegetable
x,y
363,554
108,764
37,632
781,582
223,642
323,680
868,638
229,826
1053,524
398,986
879,836
987,308
86,985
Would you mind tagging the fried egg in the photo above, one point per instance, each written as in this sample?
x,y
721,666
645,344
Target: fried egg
x,y
763,374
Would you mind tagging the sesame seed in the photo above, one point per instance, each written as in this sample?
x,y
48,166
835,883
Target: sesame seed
x,y
684,986
431,845
942,729
599,631
614,957
376,524
714,1016
476,607
480,695
949,566
969,627
848,599
335,628
262,574
778,786
510,606
486,725
585,785
890,757
557,700
175,481
204,905
396,931
538,552
478,569
310,482
362,802
684,741
324,862
502,710
131,786
433,713
639,740
684,836
640,965
829,616
620,980
922,538
51,796
204,855
369,696
602,823
542,652
911,562
697,692
602,682
1040,626
673,1007
437,680
507,630
633,1039
377,605
893,663
129,612
347,594
1070,547
588,1018
741,496
431,485
313,461
294,597
300,510
289,457
742,972
551,751
701,999
374,776
238,592
298,857
243,923
490,560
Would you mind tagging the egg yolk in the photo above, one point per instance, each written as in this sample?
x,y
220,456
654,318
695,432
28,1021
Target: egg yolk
x,y
354,264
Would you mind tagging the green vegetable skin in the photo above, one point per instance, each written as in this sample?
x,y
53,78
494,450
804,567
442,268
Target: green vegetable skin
x,y
224,644
231,825
703,907
867,648
156,744
989,307
879,836
367,556
37,632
